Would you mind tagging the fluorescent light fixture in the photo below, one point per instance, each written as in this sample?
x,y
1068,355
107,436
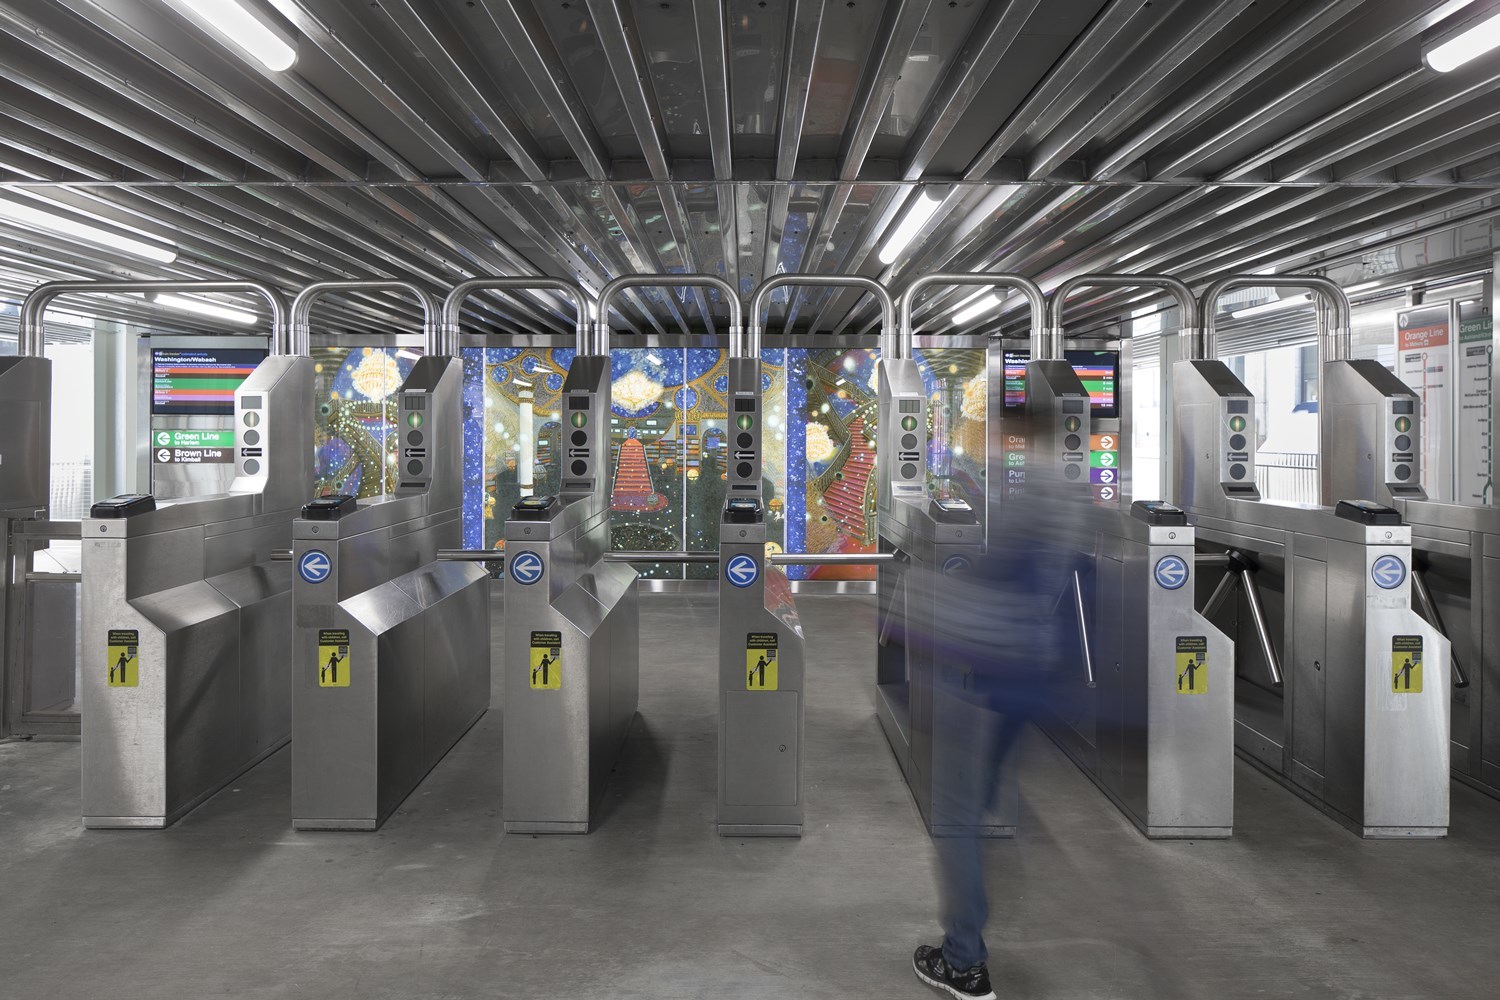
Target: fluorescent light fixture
x,y
1291,302
916,217
26,215
1363,286
201,307
1455,50
986,304
408,354
1132,255
239,27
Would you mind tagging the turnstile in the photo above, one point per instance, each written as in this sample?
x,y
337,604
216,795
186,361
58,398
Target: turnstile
x,y
932,543
572,620
1153,725
1357,723
391,655
1455,572
185,652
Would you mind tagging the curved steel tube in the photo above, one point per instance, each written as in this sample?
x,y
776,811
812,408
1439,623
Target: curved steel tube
x,y
32,334
435,343
888,329
1179,291
453,303
609,291
1332,294
1024,285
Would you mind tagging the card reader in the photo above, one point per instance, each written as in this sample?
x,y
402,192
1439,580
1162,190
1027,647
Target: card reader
x,y
124,505
537,508
742,510
1158,513
328,508
1367,512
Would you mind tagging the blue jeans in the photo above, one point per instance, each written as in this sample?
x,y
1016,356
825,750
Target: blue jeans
x,y
962,795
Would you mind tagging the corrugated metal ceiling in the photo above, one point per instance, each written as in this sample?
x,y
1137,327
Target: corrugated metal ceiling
x,y
432,140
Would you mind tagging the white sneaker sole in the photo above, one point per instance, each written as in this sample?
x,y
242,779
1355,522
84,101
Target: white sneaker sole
x,y
948,989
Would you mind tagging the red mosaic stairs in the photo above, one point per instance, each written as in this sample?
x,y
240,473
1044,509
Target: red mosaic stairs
x,y
846,499
633,489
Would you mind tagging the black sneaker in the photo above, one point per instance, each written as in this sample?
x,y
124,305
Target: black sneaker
x,y
966,984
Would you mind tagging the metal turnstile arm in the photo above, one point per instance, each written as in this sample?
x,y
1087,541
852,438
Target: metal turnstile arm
x,y
471,555
1083,627
1219,596
661,557
1429,610
1262,629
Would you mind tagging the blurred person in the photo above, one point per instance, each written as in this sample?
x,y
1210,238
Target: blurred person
x,y
998,639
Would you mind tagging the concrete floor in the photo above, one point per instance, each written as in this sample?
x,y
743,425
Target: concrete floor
x,y
654,905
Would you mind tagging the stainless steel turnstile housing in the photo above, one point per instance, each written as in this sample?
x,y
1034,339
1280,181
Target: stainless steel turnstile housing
x,y
25,479
190,594
392,651
572,631
1345,730
929,727
1154,728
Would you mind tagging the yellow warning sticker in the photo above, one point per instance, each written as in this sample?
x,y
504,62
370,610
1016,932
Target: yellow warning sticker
x,y
1406,664
546,661
1192,664
333,658
122,651
760,661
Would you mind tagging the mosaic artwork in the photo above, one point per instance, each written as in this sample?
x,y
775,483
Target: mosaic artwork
x,y
354,388
669,441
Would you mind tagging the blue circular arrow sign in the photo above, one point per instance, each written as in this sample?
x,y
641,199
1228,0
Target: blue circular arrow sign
x,y
741,571
527,568
1388,572
314,566
1171,572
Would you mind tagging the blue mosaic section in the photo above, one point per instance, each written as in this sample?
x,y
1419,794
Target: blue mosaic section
x,y
474,477
796,457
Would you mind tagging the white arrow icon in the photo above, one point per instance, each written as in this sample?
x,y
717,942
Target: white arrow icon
x,y
1107,475
741,571
164,455
527,568
1107,493
314,566
1107,442
163,438
1107,458
1389,572
1171,572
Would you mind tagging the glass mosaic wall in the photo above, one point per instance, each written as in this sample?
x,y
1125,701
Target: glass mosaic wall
x,y
669,441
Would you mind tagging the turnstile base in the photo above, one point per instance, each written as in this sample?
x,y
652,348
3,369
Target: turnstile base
x,y
528,826
759,830
162,822
1367,832
892,710
1151,832
310,825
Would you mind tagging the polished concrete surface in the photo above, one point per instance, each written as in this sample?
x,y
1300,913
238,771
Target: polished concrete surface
x,y
231,902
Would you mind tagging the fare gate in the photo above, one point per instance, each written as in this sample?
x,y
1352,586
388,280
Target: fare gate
x,y
1357,721
391,651
183,646
572,637
1153,725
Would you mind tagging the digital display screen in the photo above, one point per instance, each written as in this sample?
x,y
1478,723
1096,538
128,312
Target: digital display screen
x,y
578,402
909,406
1403,406
744,406
1239,406
1099,371
189,382
251,402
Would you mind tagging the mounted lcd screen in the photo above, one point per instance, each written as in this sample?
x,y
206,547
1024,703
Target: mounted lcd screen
x,y
189,382
1099,371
